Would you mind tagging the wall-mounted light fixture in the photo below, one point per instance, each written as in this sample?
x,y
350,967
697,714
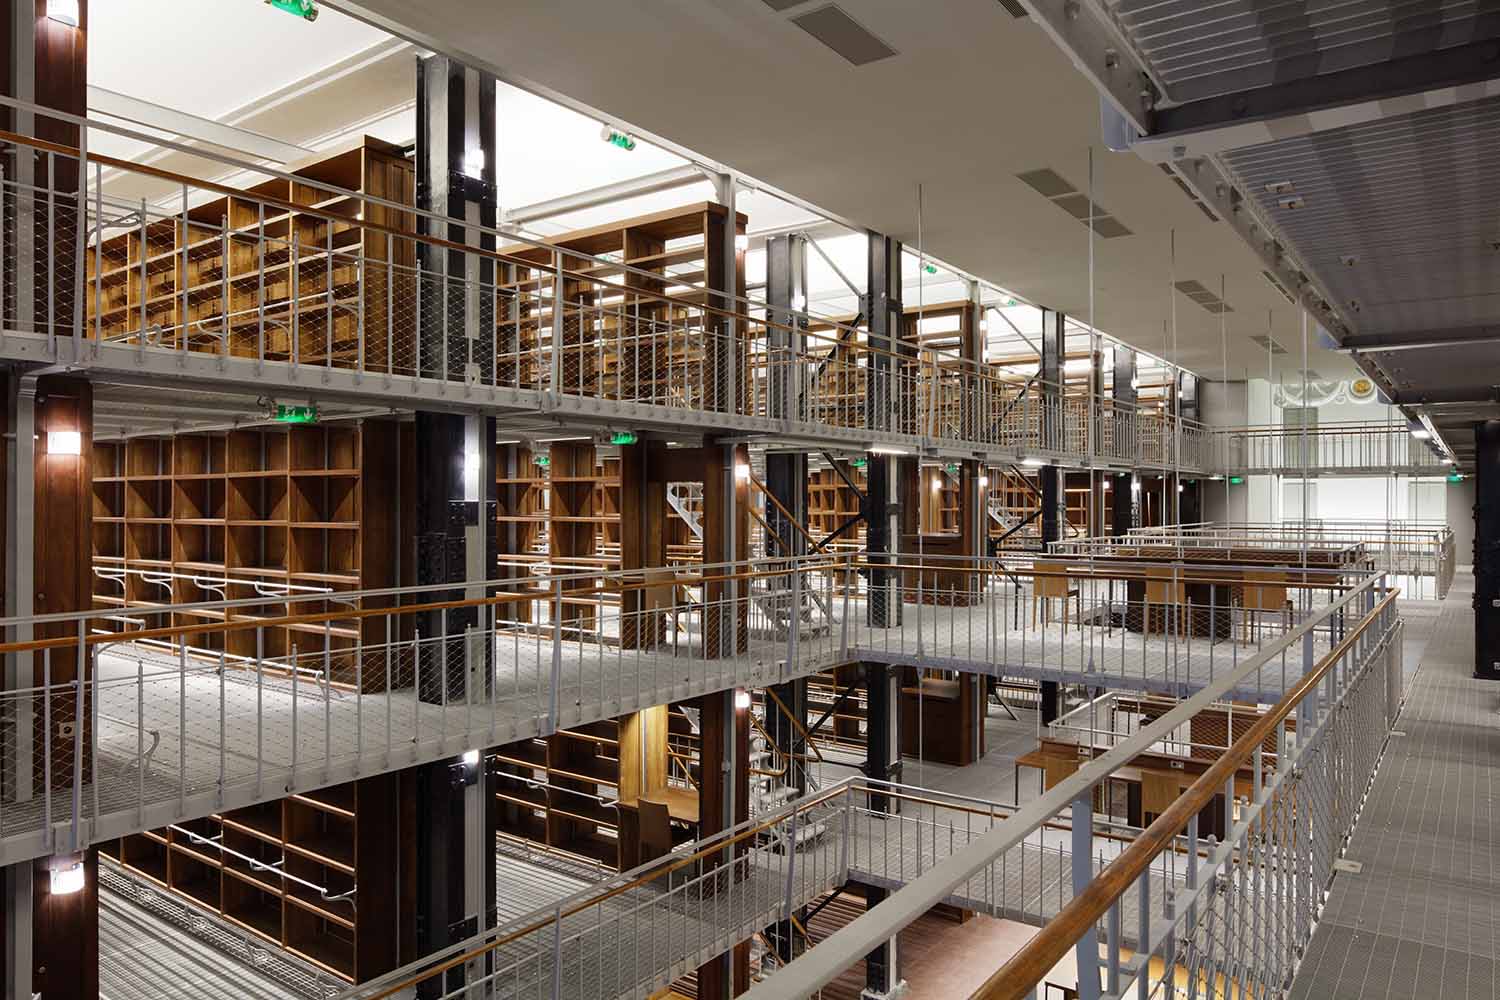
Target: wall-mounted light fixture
x,y
474,163
742,699
66,874
64,443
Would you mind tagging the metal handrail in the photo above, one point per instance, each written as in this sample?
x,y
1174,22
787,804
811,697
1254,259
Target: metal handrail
x,y
1020,974
821,965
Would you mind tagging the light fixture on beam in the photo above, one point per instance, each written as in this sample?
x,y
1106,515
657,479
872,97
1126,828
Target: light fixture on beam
x,y
1033,463
63,12
742,699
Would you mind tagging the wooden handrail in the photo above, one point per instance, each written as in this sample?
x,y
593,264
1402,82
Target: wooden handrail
x,y
1017,977
676,864
317,618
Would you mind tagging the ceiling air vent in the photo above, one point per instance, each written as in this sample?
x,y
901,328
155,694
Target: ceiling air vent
x,y
784,4
1268,343
1196,291
1192,195
844,35
1051,185
1013,8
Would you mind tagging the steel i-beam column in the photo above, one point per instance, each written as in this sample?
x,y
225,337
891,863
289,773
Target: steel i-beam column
x,y
883,763
1126,429
1487,550
455,490
1054,500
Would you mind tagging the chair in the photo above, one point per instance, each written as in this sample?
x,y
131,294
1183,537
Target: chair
x,y
655,829
1049,582
1164,586
1262,591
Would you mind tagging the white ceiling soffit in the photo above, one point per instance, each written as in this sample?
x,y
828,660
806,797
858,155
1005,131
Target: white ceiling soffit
x,y
359,91
972,97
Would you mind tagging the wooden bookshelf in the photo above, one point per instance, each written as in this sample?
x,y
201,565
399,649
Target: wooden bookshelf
x,y
236,865
263,512
248,276
549,789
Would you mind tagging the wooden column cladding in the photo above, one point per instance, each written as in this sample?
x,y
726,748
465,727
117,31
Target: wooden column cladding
x,y
726,498
643,517
726,736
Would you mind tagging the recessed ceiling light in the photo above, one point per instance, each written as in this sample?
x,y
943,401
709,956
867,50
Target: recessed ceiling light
x,y
1278,187
1292,203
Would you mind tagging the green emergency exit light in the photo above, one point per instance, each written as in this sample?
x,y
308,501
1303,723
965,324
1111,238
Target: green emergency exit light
x,y
543,460
860,463
296,414
615,137
929,268
1455,477
1236,480
305,9
623,437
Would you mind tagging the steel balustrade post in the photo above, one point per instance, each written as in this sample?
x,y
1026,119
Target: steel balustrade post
x,y
553,696
94,749
292,673
181,726
260,697
416,690
140,741
1086,951
327,692
222,665
1143,935
187,242
557,321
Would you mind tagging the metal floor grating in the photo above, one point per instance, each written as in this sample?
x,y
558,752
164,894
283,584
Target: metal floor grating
x,y
1422,919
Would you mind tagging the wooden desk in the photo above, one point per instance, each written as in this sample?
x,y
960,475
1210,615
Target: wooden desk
x,y
682,803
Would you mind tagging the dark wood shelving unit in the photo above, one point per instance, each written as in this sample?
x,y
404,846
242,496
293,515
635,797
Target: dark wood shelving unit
x,y
340,839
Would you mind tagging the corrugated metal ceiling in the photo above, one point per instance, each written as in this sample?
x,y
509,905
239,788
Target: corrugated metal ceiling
x,y
1202,49
1399,217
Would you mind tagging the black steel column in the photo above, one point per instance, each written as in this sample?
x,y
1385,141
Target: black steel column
x,y
1122,486
455,511
888,406
1487,549
886,403
882,763
1054,341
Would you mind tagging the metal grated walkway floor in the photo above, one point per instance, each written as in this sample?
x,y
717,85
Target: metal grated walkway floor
x,y
1422,919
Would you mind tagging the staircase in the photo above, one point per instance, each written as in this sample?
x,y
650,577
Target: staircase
x,y
686,501
772,786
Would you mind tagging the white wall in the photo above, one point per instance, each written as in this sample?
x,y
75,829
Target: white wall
x,y
1461,520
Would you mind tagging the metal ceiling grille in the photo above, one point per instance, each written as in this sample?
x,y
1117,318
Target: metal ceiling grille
x,y
1200,294
1201,49
844,35
1268,343
1050,185
1397,216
